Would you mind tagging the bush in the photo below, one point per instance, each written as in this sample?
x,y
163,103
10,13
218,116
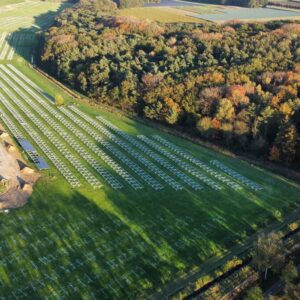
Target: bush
x,y
59,100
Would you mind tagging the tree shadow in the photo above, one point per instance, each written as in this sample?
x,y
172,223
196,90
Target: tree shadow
x,y
107,244
117,245
27,41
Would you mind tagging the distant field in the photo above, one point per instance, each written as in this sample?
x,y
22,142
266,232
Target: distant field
x,y
172,3
239,13
33,14
160,14
6,2
203,9
179,11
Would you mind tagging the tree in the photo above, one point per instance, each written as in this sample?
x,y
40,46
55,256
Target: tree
x,y
225,110
289,273
104,5
286,141
255,293
257,3
224,74
274,154
128,3
59,100
288,276
204,126
268,253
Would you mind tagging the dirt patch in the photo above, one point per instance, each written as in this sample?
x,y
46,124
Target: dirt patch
x,y
18,178
3,134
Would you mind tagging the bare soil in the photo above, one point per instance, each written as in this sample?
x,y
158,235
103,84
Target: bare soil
x,y
19,176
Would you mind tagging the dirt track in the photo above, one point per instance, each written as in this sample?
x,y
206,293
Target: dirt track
x,y
9,168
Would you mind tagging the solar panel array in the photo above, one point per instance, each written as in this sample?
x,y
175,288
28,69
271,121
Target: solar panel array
x,y
10,43
92,150
30,151
61,167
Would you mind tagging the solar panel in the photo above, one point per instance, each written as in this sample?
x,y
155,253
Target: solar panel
x,y
26,145
41,164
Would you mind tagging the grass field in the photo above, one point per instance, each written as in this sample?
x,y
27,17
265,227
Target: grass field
x,y
206,12
7,2
160,14
203,9
244,14
119,243
33,14
122,244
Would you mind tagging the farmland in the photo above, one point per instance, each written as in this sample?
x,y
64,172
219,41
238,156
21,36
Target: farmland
x,y
123,203
180,11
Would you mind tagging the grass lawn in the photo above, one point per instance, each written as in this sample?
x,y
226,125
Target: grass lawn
x,y
36,14
126,244
6,2
160,14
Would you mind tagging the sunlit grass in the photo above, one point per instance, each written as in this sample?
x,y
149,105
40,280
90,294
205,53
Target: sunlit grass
x,y
125,244
160,14
6,2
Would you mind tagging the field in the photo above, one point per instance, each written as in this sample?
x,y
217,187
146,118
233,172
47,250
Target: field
x,y
30,15
247,14
169,11
160,14
7,2
16,43
111,241
125,209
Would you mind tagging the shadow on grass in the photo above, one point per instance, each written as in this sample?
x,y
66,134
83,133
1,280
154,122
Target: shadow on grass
x,y
26,41
117,245
106,244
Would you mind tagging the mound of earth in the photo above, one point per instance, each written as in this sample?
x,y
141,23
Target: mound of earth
x,y
15,176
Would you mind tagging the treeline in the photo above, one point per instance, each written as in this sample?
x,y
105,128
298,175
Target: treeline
x,y
236,84
105,5
134,3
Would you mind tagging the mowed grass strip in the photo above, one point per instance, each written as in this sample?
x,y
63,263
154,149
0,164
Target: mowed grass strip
x,y
160,14
6,2
124,245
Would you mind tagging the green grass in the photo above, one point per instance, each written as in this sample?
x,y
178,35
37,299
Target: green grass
x,y
37,14
126,244
163,235
203,9
160,14
6,2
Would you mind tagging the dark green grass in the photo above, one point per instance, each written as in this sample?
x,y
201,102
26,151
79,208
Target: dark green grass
x,y
162,235
63,237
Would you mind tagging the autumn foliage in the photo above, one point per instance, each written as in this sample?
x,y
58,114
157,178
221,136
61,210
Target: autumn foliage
x,y
235,84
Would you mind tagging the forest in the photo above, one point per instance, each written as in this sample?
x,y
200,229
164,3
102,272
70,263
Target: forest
x,y
237,84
